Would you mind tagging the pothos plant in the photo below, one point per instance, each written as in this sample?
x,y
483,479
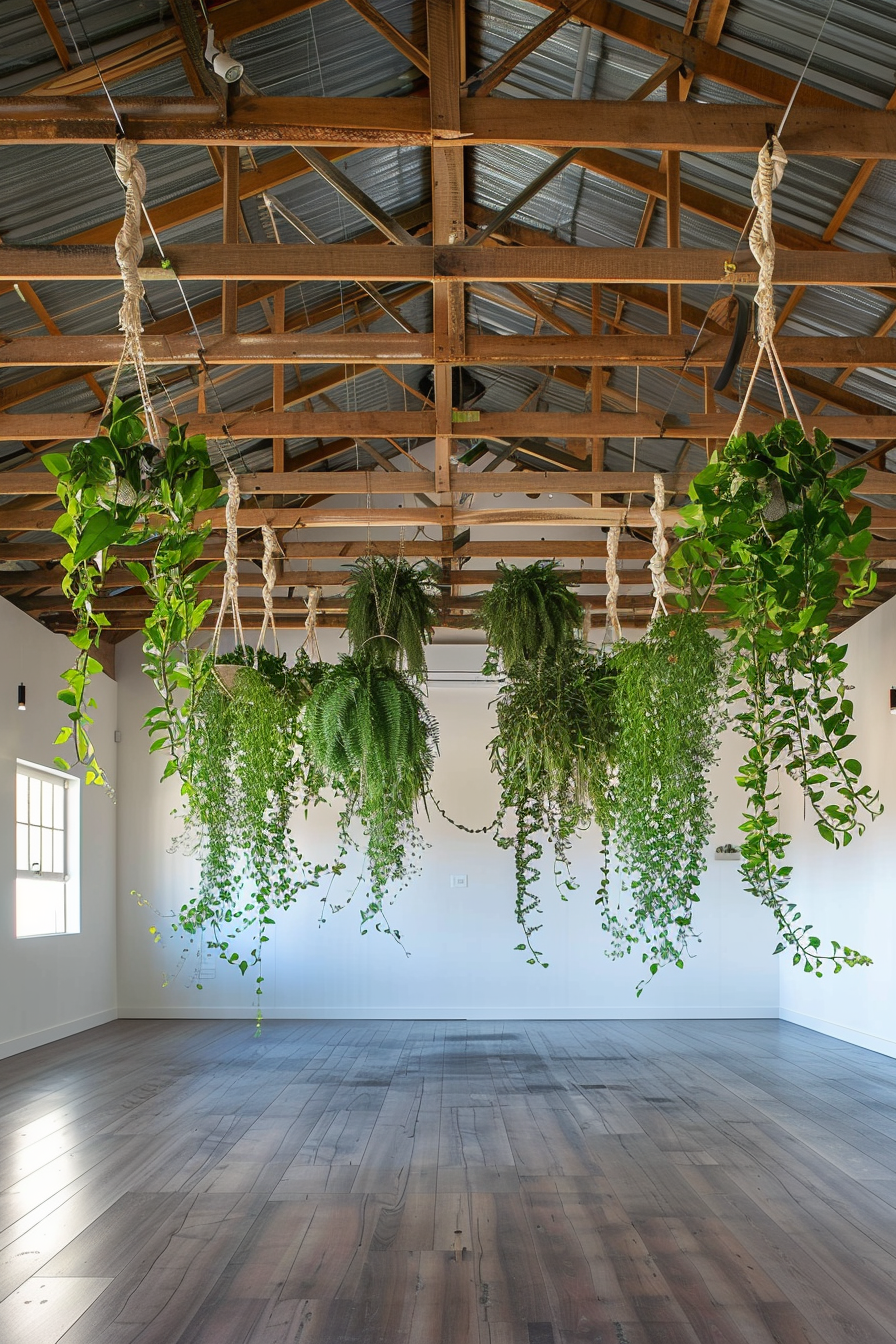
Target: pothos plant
x,y
102,488
183,483
767,524
555,745
248,773
668,703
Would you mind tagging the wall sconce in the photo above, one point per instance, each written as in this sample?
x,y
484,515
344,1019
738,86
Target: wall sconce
x,y
893,699
21,700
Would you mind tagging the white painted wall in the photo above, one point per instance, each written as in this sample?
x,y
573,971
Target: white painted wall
x,y
848,894
51,987
462,962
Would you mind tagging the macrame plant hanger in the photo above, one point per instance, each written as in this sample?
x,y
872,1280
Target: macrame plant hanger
x,y
660,548
770,171
128,253
226,672
269,570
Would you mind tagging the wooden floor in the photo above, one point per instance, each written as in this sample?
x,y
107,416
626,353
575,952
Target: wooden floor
x,y
630,1183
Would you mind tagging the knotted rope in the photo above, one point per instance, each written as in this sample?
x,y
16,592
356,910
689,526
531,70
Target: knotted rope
x,y
311,602
660,547
269,570
128,252
770,171
230,596
613,582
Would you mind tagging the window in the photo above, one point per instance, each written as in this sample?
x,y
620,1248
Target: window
x,y
47,859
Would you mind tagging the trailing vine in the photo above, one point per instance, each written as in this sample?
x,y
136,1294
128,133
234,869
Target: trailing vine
x,y
669,705
554,747
371,738
767,524
184,483
554,753
101,486
248,773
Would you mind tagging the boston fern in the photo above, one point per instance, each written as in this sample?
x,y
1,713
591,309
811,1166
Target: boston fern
x,y
554,752
248,774
767,524
392,612
372,739
527,613
668,702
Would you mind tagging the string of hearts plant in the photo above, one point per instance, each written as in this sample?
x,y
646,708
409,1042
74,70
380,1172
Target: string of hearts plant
x,y
767,524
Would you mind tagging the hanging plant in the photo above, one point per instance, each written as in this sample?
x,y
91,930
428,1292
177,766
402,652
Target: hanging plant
x,y
528,612
768,523
371,738
184,483
392,612
668,701
554,753
248,773
100,483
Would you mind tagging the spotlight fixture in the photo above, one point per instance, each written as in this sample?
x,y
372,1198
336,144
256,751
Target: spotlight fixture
x,y
21,700
223,64
893,699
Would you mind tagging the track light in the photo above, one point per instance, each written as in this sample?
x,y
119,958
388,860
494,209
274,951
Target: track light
x,y
223,64
893,699
21,700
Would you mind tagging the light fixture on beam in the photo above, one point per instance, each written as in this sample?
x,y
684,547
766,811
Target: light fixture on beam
x,y
893,699
21,699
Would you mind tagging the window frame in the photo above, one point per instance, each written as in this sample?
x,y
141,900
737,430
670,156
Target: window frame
x,y
70,877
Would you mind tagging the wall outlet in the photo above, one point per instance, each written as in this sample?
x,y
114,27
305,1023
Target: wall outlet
x,y
458,880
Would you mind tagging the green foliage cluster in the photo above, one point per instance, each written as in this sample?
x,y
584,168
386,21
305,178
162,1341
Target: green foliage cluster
x,y
554,753
527,613
767,523
391,612
248,773
372,739
100,484
668,703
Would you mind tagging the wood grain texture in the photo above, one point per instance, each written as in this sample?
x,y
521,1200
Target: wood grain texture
x,y
448,1183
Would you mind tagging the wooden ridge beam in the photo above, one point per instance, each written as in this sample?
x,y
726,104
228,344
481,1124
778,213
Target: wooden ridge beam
x,y
348,425
347,261
15,549
418,348
829,132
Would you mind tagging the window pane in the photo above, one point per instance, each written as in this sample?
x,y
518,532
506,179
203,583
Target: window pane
x,y
46,850
46,795
21,845
34,849
40,908
58,852
21,797
34,801
58,806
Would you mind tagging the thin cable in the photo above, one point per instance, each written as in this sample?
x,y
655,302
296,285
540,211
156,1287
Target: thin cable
x,y
796,89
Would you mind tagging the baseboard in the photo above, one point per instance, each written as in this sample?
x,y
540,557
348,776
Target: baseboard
x,y
626,1012
879,1044
18,1044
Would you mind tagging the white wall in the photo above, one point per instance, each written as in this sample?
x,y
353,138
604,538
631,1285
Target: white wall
x,y
51,987
848,894
462,962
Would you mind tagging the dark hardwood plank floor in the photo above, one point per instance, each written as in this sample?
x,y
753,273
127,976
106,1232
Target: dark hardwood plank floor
x,y
448,1183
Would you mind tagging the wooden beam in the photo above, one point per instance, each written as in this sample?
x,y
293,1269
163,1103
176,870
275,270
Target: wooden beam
x,y
263,424
53,33
845,132
418,348
478,85
391,34
585,265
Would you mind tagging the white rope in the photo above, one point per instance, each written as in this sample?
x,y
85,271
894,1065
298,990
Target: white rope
x,y
769,172
129,252
311,602
660,547
613,582
230,597
269,570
